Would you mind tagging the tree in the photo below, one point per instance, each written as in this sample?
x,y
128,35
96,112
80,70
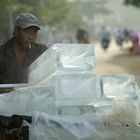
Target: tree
x,y
52,13
135,3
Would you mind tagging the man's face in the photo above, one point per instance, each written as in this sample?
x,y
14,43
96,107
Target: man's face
x,y
27,36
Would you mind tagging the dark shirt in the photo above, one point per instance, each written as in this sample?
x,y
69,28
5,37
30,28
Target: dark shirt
x,y
10,70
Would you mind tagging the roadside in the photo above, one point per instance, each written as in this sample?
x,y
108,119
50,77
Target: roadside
x,y
116,61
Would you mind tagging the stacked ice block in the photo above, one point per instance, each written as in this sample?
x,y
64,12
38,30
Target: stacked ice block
x,y
80,94
62,83
69,68
62,58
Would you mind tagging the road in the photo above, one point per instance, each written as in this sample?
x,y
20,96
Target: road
x,y
116,61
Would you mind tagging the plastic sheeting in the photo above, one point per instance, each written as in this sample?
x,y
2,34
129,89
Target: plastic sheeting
x,y
52,127
76,110
122,122
24,101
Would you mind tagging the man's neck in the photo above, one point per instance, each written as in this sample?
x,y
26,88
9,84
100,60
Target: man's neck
x,y
19,48
21,52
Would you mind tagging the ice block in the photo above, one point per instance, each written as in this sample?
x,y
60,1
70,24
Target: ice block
x,y
119,86
74,89
62,58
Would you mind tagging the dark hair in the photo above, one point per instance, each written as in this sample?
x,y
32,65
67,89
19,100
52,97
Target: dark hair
x,y
16,28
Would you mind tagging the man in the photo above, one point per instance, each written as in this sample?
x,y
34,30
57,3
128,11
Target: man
x,y
134,38
104,38
20,51
82,36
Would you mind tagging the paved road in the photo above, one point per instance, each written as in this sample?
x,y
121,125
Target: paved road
x,y
116,61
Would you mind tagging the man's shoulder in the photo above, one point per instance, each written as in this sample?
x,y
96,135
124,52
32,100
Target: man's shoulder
x,y
36,50
40,46
6,44
3,47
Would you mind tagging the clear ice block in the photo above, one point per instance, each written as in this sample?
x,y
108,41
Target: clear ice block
x,y
62,58
119,86
74,89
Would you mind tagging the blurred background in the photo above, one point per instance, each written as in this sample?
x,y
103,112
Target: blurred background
x,y
61,19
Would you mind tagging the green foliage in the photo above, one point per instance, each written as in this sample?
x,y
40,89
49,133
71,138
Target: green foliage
x,y
58,14
135,3
50,12
8,11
